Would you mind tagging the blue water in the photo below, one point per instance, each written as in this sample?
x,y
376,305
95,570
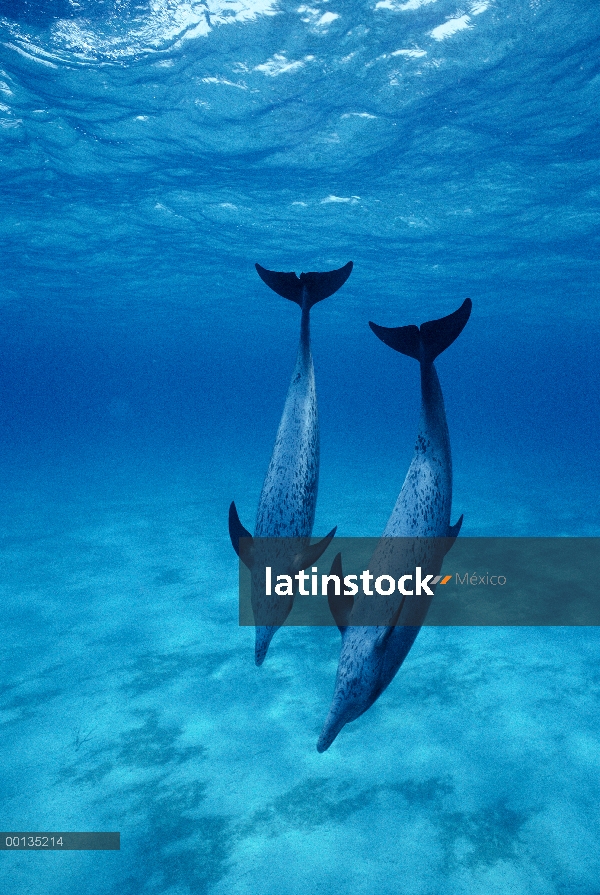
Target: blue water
x,y
151,153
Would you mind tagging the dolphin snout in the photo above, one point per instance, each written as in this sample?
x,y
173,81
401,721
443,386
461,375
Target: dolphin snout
x,y
325,740
264,635
331,728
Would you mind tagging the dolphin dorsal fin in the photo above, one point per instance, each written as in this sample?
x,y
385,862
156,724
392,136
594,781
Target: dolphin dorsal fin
x,y
340,604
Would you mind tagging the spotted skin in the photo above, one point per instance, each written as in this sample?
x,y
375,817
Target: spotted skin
x,y
288,500
372,655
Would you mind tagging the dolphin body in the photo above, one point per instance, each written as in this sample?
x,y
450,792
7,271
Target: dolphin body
x,y
288,499
372,654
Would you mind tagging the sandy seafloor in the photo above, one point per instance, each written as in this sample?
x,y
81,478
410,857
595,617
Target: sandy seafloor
x,y
131,702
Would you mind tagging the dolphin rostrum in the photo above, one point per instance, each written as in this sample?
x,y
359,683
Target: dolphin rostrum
x,y
371,653
288,500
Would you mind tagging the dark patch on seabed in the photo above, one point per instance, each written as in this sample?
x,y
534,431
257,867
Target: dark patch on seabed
x,y
147,747
177,845
174,843
175,849
21,701
308,805
467,838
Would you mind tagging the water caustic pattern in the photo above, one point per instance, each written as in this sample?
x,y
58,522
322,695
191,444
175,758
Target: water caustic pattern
x,y
150,154
404,124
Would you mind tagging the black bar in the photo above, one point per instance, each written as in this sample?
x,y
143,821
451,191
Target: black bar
x,y
479,581
60,841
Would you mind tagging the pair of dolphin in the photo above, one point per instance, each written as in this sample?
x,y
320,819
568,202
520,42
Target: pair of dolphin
x,y
371,654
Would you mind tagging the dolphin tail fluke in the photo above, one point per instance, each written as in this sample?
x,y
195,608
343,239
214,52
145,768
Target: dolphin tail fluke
x,y
426,342
237,531
308,288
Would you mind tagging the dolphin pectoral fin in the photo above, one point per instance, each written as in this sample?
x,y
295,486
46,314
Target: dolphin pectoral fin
x,y
340,604
447,543
396,616
311,554
314,286
385,635
237,531
430,339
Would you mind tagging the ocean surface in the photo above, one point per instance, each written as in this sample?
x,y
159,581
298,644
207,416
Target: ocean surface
x,y
151,153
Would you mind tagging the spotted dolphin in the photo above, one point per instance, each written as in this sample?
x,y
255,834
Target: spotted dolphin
x,y
372,654
288,500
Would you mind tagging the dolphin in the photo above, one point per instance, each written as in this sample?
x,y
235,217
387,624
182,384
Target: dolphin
x,y
372,654
288,499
